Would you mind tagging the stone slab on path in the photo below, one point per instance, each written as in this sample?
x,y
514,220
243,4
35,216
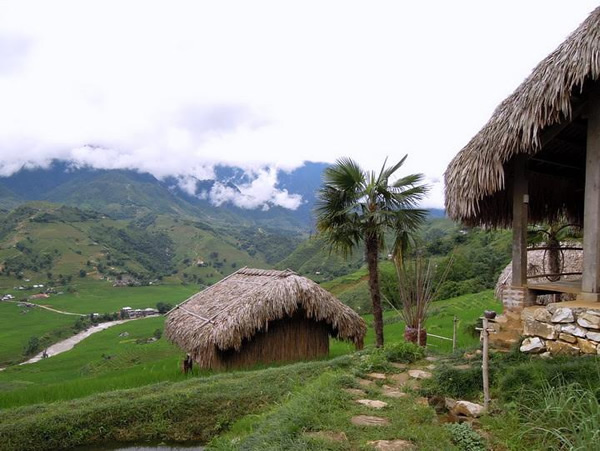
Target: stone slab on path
x,y
373,403
400,366
420,374
355,391
368,420
392,445
376,376
392,392
365,382
400,378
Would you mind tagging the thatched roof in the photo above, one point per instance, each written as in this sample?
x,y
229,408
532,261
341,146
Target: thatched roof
x,y
242,304
532,121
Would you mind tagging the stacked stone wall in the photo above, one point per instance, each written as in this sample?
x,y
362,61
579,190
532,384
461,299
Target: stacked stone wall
x,y
554,330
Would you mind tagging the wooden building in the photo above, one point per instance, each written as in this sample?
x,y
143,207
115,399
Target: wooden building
x,y
261,316
538,160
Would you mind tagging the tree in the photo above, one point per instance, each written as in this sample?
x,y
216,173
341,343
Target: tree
x,y
356,207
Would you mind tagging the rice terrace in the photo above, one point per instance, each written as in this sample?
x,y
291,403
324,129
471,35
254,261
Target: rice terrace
x,y
283,226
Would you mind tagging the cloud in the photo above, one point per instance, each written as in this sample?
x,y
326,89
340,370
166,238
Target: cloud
x,y
13,52
261,192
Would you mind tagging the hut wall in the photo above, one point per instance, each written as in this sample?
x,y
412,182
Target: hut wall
x,y
291,339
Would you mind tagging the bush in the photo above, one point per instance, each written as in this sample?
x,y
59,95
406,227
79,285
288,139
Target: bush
x,y
33,346
465,438
403,352
456,383
163,307
378,359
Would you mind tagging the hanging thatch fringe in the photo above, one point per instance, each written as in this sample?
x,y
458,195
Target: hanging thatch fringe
x,y
476,176
235,309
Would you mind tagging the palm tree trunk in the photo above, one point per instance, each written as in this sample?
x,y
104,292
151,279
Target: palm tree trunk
x,y
372,252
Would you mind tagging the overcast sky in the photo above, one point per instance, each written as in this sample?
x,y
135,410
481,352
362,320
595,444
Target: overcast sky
x,y
173,87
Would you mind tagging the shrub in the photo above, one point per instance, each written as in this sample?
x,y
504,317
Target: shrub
x,y
465,438
403,352
163,307
456,383
33,346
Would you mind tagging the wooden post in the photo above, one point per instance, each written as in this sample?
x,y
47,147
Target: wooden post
x,y
590,284
485,365
454,333
519,224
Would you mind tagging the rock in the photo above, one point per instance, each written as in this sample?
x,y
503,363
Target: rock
x,y
560,347
568,338
464,366
543,315
331,436
392,445
354,391
420,374
536,328
545,355
469,409
573,329
365,382
372,403
400,378
587,346
438,403
589,320
392,392
376,376
431,359
450,403
368,420
593,335
563,315
533,345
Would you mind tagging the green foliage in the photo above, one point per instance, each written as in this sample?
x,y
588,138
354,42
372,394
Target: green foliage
x,y
163,307
157,333
378,359
456,383
465,438
520,380
33,346
154,250
403,352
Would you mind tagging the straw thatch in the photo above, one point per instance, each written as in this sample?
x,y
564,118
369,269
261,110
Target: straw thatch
x,y
532,121
537,263
229,315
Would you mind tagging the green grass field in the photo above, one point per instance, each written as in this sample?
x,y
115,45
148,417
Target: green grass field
x,y
19,324
101,297
105,361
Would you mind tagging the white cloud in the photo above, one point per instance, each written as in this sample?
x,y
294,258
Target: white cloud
x,y
259,193
173,88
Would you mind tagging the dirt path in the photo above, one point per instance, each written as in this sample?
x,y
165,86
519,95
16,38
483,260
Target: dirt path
x,y
48,308
69,343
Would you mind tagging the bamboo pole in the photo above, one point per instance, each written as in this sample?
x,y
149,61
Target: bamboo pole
x,y
485,365
454,322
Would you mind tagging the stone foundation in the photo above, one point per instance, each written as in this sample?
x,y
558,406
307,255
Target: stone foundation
x,y
559,329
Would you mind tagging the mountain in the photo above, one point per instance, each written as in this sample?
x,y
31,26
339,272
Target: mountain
x,y
129,194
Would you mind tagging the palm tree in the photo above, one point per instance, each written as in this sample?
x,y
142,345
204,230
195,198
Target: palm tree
x,y
356,207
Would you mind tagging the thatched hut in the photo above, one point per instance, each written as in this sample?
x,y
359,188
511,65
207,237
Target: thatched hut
x,y
261,316
538,159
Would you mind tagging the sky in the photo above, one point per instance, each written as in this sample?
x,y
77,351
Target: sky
x,y
176,87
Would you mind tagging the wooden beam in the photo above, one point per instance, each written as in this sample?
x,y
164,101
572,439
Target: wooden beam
x,y
519,225
591,216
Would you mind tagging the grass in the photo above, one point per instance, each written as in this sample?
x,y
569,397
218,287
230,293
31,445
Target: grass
x,y
197,409
86,370
99,296
19,324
